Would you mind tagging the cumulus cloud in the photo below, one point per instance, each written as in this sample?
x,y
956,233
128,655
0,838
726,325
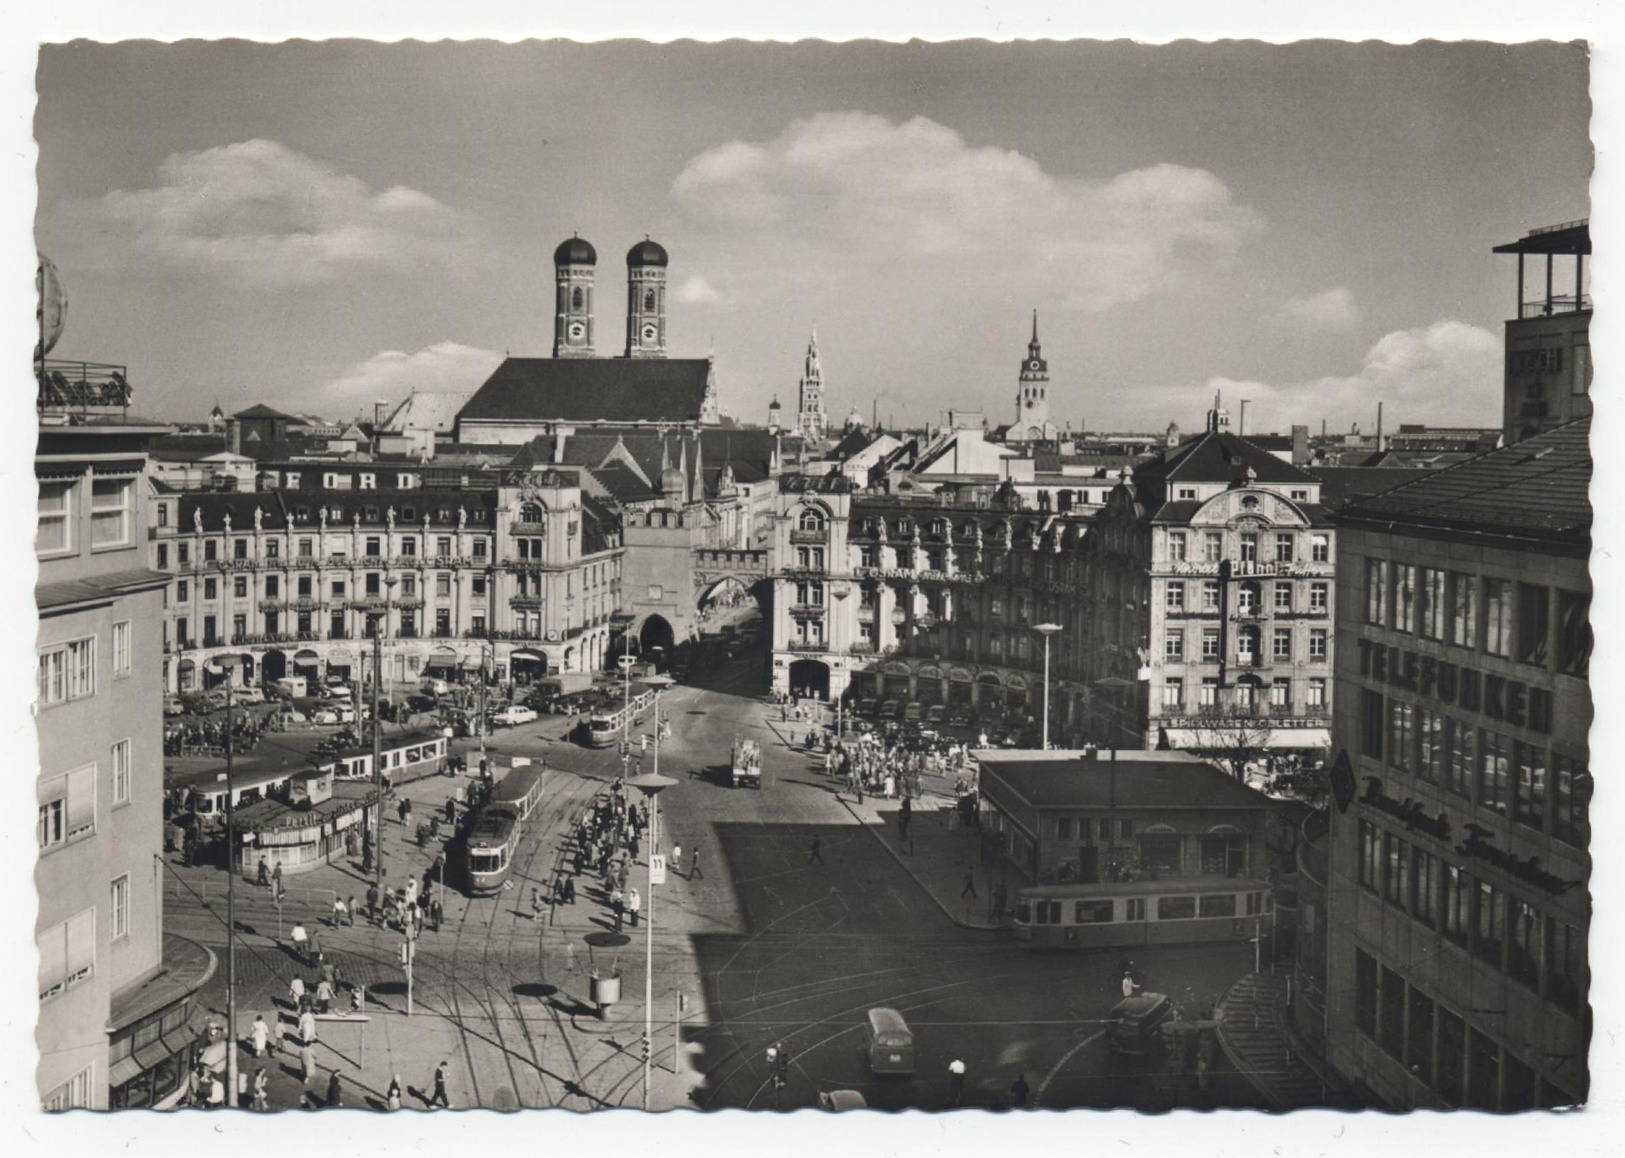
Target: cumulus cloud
x,y
697,289
445,367
844,194
1446,374
1330,310
264,213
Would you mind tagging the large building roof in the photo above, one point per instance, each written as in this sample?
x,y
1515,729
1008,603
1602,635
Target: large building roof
x,y
1341,485
592,390
1217,456
1144,781
1538,488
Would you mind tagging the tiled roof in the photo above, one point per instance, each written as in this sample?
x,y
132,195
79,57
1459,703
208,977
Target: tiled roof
x,y
96,587
1341,485
592,390
621,483
1538,488
1219,457
260,410
1144,781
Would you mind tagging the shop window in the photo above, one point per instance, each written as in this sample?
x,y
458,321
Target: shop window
x,y
1160,854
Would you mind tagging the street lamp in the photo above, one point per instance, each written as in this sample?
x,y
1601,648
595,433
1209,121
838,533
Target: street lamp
x,y
840,592
229,664
651,784
1046,630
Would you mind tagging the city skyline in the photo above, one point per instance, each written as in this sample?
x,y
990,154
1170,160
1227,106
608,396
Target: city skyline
x,y
1316,219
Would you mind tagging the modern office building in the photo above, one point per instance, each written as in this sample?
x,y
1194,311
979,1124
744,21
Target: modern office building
x,y
1456,869
116,1021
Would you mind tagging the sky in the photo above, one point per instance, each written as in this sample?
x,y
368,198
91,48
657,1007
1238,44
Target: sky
x,y
320,225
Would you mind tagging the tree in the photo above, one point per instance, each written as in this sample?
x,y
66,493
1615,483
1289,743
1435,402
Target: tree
x,y
1235,733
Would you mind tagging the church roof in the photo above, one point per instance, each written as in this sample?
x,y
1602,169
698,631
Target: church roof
x,y
575,251
644,253
591,390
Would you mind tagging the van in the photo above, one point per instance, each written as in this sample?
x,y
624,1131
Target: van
x,y
1136,1023
888,1042
288,687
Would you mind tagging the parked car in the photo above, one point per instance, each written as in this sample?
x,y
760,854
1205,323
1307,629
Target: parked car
x,y
960,718
289,714
336,692
418,702
335,714
250,696
173,706
936,715
514,714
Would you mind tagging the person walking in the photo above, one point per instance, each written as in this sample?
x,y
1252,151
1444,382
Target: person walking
x,y
411,890
263,877
535,904
301,942
349,913
261,1035
439,1097
217,1092
568,894
307,1063
278,1032
296,992
676,858
1019,1089
969,888
335,1092
315,943
276,880
618,903
261,1102
633,904
437,913
340,911
392,1099
329,972
372,902
694,865
324,996
815,856
307,1027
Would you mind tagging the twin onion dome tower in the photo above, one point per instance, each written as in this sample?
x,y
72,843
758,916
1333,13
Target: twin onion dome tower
x,y
575,265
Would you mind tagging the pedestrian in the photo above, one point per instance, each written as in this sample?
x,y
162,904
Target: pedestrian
x,y
349,912
676,858
372,902
358,998
276,879
535,904
335,1092
569,895
411,890
694,865
816,856
392,1099
339,911
263,879
437,913
277,1032
307,1063
1019,1091
324,996
633,904
307,1027
301,940
261,1034
439,1097
1128,984
956,1082
618,902
315,943
296,992
217,1092
969,888
261,1101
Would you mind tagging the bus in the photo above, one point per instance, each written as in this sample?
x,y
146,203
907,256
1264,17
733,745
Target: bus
x,y
493,838
520,790
1132,913
608,725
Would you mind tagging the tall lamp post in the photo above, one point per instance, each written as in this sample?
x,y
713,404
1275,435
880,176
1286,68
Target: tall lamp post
x,y
840,592
651,784
229,664
1046,630
378,621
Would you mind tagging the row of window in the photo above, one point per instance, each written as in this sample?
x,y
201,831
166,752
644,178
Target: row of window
x,y
1544,955
1249,644
1286,546
373,548
112,513
67,671
1462,1065
1246,695
1249,597
1501,617
1543,790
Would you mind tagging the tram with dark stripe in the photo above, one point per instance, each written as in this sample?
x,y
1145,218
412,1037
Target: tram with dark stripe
x,y
489,847
1159,912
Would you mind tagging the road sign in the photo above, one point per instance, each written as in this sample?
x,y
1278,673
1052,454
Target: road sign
x,y
657,869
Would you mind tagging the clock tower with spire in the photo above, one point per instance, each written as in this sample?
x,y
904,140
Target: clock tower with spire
x,y
812,421
1032,422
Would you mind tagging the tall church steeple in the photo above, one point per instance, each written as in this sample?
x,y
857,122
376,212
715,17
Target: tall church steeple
x,y
811,419
646,300
1032,392
574,265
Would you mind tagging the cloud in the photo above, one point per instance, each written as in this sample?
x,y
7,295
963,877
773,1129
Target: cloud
x,y
1330,310
697,289
393,374
852,196
1446,374
263,213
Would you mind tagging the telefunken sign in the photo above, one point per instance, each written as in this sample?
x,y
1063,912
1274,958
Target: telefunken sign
x,y
1476,846
1496,697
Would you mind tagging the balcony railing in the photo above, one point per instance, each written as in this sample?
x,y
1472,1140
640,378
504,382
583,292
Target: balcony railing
x,y
797,535
519,528
1557,304
807,645
528,602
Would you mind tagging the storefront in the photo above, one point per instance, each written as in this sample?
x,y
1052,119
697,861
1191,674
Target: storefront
x,y
157,1028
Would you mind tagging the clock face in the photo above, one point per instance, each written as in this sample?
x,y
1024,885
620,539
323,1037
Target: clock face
x,y
650,334
577,331
1029,404
1032,365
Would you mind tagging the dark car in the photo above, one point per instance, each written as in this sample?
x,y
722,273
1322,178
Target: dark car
x,y
418,702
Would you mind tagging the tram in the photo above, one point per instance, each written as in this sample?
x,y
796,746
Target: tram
x,y
405,756
1131,913
493,838
520,790
606,726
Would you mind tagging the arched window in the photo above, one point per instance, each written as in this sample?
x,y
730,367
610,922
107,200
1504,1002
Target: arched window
x,y
648,301
811,520
532,513
576,299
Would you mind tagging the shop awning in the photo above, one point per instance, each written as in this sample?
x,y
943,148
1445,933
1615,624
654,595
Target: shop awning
x,y
527,653
1277,739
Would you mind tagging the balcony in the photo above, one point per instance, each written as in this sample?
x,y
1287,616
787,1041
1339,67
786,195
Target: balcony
x,y
530,529
807,610
1249,614
372,604
527,602
807,645
1557,304
821,535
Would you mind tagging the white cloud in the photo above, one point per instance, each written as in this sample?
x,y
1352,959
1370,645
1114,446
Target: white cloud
x,y
267,214
697,289
1446,374
1330,311
393,374
855,197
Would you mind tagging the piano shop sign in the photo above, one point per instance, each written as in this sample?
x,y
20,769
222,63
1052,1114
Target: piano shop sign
x,y
1499,698
1474,846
